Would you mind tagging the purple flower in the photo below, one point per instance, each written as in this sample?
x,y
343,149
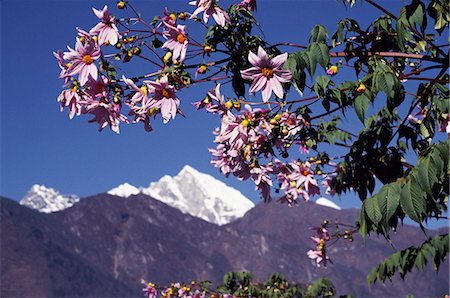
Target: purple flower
x,y
210,8
164,98
82,60
177,41
267,74
106,30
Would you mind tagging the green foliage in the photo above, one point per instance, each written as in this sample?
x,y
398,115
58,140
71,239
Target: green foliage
x,y
404,261
240,284
321,288
420,195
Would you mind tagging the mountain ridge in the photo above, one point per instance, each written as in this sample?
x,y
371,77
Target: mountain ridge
x,y
122,240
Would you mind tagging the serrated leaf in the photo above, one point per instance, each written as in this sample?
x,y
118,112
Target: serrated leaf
x,y
319,53
426,175
361,104
389,204
412,201
415,13
372,210
319,34
384,82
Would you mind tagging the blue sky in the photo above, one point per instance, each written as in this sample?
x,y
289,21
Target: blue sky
x,y
39,144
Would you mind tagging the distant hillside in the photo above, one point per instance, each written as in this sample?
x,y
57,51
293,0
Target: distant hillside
x,y
104,245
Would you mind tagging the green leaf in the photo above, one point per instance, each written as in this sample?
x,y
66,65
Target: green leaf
x,y
319,34
319,53
415,14
413,201
389,200
361,104
385,82
373,209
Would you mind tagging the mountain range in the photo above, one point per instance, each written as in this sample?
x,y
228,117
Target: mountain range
x,y
191,191
103,245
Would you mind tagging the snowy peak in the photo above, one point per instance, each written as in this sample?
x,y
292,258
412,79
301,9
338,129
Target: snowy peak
x,y
124,190
327,203
200,195
47,200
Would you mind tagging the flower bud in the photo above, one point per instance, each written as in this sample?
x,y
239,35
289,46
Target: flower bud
x,y
118,45
333,70
182,16
173,16
207,49
273,121
137,51
237,105
245,123
167,57
361,88
95,38
83,39
121,4
229,104
285,131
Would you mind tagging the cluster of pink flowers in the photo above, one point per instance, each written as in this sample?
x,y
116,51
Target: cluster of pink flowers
x,y
89,93
246,143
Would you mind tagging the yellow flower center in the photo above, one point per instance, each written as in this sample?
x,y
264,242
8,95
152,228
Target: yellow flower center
x,y
181,38
87,59
165,92
267,72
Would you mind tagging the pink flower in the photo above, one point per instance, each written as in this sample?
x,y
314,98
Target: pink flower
x,y
97,88
164,98
141,94
177,41
70,98
267,74
217,105
82,60
210,8
305,176
167,18
150,290
248,4
63,65
105,114
319,255
106,30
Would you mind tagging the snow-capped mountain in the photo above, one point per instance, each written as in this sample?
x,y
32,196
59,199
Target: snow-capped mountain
x,y
327,203
194,193
200,195
124,190
47,200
